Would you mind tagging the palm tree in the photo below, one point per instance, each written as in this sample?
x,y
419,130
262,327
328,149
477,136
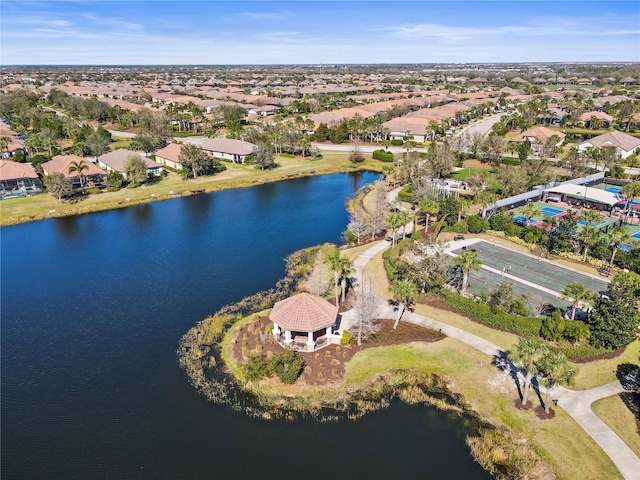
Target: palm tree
x,y
589,236
394,220
557,371
530,210
616,237
333,260
404,292
463,206
78,167
429,207
345,266
630,191
526,354
469,262
578,294
407,217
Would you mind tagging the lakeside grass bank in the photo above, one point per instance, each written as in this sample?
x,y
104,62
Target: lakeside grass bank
x,y
39,207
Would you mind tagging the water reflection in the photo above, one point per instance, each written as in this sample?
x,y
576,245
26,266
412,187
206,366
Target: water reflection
x,y
141,214
68,227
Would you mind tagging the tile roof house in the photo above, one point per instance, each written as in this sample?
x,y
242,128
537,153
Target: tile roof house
x,y
60,164
115,161
625,143
596,118
538,135
228,148
169,156
18,179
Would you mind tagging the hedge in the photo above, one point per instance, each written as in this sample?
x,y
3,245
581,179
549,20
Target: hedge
x,y
397,142
406,194
483,314
383,155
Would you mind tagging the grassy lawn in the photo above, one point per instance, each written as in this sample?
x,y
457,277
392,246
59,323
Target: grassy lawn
x,y
600,372
614,413
24,209
560,440
469,172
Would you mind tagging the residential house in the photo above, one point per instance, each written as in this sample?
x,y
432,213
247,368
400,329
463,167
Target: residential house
x,y
538,136
625,143
228,148
18,179
596,119
116,160
169,156
93,175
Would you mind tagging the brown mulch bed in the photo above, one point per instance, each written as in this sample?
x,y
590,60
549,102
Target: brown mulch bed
x,y
327,365
602,356
542,415
518,404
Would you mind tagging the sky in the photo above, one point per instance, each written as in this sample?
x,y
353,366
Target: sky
x,y
106,32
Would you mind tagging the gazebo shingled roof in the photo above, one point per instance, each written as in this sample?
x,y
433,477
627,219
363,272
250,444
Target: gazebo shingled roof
x,y
304,312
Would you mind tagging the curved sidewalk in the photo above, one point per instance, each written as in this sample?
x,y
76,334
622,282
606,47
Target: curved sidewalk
x,y
576,403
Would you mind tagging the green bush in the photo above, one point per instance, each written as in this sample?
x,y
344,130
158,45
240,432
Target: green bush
x,y
287,366
383,155
553,326
111,188
477,224
287,155
582,352
483,314
256,368
406,194
397,142
346,337
511,161
460,227
94,191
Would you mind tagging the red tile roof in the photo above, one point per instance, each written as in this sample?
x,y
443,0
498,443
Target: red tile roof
x,y
304,313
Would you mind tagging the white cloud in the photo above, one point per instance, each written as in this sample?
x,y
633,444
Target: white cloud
x,y
112,22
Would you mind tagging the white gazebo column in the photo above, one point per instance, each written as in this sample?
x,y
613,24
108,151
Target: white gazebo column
x,y
310,342
287,337
328,334
275,330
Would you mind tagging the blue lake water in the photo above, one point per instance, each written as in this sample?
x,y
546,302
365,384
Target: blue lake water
x,y
92,310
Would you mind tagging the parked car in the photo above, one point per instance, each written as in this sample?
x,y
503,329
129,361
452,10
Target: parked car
x,y
459,237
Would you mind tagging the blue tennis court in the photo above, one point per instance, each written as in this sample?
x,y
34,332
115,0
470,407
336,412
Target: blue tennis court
x,y
613,189
636,235
552,212
602,223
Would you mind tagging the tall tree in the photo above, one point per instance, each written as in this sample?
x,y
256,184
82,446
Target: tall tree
x,y
589,235
134,169
341,266
556,370
578,294
428,207
530,210
78,167
630,191
264,156
615,317
617,237
404,293
395,220
195,159
367,309
58,185
526,354
468,261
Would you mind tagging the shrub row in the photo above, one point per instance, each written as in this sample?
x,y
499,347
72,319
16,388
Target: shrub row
x,y
483,314
406,194
383,155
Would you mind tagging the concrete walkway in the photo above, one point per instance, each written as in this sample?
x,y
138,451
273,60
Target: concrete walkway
x,y
576,403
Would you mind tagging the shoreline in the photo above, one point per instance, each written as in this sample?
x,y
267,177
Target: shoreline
x,y
157,192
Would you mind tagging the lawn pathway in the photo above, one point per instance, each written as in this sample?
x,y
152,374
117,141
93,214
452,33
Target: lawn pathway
x,y
576,403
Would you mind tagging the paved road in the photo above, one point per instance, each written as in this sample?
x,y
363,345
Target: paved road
x,y
576,403
481,126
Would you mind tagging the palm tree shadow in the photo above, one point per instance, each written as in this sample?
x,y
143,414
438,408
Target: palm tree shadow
x,y
501,362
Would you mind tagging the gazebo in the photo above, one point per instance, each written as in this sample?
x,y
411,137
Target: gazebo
x,y
307,314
